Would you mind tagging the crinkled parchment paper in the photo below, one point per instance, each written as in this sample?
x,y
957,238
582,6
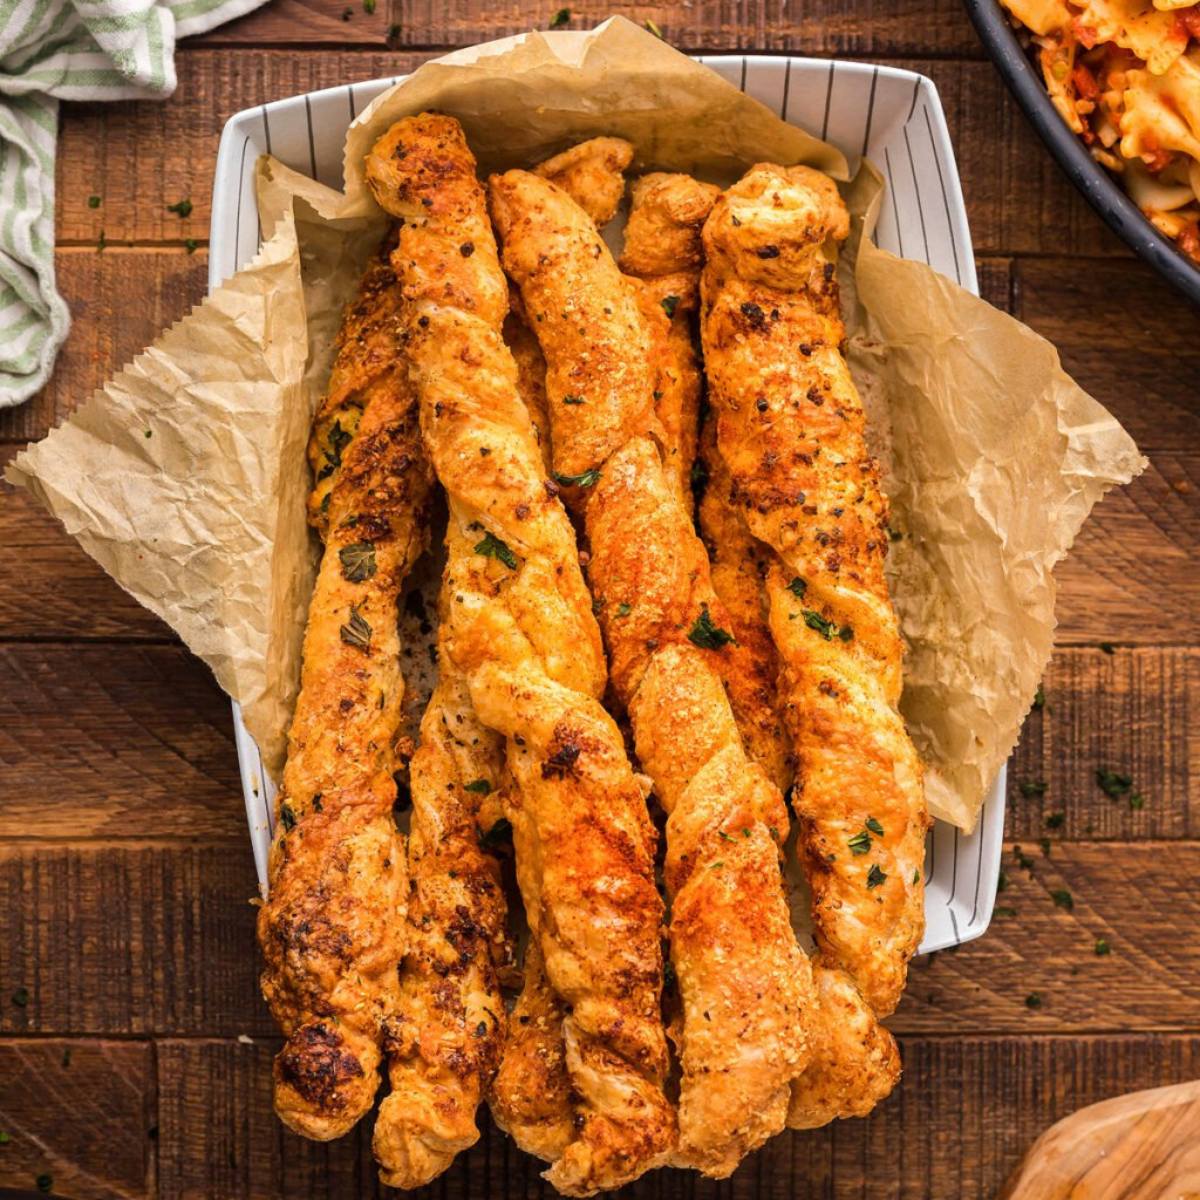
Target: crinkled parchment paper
x,y
993,455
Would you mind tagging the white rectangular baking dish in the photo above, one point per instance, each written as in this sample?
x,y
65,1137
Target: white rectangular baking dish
x,y
893,117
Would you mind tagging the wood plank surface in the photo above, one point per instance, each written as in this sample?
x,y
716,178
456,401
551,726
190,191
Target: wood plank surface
x,y
81,1115
127,959
135,742
115,742
960,1120
140,156
156,938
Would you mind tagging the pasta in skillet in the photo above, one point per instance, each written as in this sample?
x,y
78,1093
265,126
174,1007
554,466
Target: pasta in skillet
x,y
1125,76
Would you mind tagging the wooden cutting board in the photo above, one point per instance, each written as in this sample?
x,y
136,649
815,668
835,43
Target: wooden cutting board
x,y
1143,1146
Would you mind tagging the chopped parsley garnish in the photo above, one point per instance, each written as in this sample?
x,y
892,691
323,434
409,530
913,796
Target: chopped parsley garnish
x,y
652,26
860,843
1056,820
1004,910
493,547
623,610
705,634
1107,648
182,208
1112,783
356,632
814,620
669,303
45,1183
1033,1000
1033,787
190,245
584,480
287,818
93,202
482,1028
699,474
874,826
875,876
1001,882
724,836
560,18
1137,801
498,834
21,997
339,438
316,803
1023,859
917,875
358,561
572,399
798,587
1046,845
1102,948
480,787
1039,699
1062,899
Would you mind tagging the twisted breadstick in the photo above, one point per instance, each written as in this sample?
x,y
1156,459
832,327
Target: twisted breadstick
x,y
530,1095
790,428
663,248
741,975
332,932
520,629
444,1041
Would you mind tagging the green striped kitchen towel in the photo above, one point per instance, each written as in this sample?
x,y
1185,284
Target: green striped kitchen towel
x,y
52,50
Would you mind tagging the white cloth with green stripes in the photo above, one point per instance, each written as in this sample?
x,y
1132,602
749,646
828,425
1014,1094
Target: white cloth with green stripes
x,y
52,50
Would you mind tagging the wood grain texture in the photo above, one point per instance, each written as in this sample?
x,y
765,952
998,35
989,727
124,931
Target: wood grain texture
x,y
115,742
135,742
850,28
141,156
157,939
129,939
305,24
105,1150
963,1114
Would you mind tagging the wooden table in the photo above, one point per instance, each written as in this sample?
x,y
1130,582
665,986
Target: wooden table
x,y
135,1056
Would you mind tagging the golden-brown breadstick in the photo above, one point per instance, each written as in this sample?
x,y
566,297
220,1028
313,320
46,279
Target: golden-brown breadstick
x,y
790,428
742,977
520,628
332,931
444,1041
530,1097
663,247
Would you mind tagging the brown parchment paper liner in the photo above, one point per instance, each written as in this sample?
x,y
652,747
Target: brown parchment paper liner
x,y
993,456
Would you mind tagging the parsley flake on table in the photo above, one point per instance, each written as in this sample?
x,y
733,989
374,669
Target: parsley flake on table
x,y
1039,699
1062,899
560,18
492,547
1055,820
1033,787
1033,1000
1113,784
1102,947
181,208
94,202
707,635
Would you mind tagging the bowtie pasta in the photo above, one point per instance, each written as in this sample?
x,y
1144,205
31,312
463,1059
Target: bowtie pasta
x,y
1125,75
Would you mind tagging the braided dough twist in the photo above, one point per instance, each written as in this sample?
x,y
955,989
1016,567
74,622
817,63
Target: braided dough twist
x,y
519,627
741,975
332,931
